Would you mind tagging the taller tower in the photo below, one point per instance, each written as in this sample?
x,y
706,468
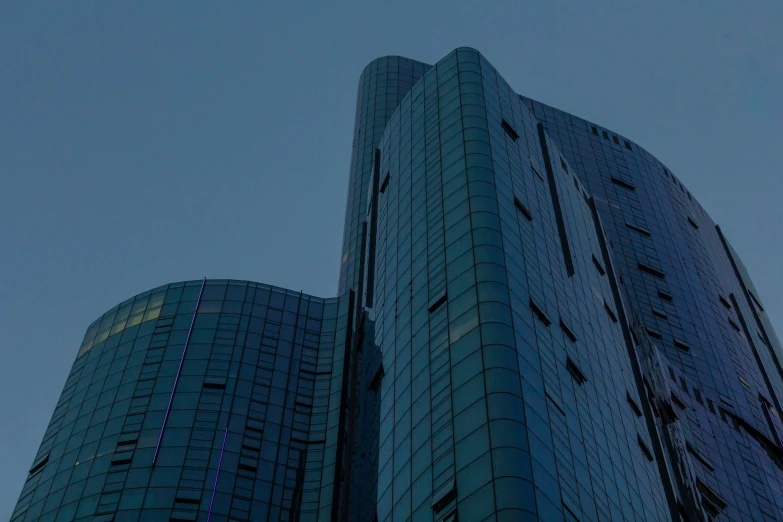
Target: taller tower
x,y
535,321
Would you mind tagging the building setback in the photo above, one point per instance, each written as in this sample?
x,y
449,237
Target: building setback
x,y
535,321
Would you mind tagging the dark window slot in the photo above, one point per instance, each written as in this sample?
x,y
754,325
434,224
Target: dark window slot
x,y
627,144
522,208
645,450
183,516
659,313
567,331
756,301
653,334
39,465
248,467
652,271
575,372
614,138
509,130
539,313
438,301
665,296
610,312
642,231
734,325
122,458
563,164
621,183
599,266
535,171
555,404
633,405
188,496
215,385
693,223
443,498
724,302
743,382
595,131
682,345
678,401
605,135
303,405
375,383
561,229
385,183
127,442
710,495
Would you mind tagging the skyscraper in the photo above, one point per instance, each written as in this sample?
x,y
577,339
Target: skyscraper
x,y
535,321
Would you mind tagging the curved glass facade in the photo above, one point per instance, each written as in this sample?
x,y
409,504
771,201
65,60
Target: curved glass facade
x,y
536,321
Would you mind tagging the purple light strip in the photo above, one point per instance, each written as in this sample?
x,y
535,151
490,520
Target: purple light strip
x,y
217,474
176,379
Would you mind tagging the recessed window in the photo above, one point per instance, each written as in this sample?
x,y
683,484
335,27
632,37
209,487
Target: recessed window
x,y
624,184
724,302
375,383
627,144
606,136
599,266
563,164
615,139
595,131
509,130
538,312
555,404
693,223
642,231
682,345
653,334
657,312
385,183
652,271
632,404
443,497
522,208
699,456
575,372
567,331
437,301
645,450
610,312
665,296
535,171
734,325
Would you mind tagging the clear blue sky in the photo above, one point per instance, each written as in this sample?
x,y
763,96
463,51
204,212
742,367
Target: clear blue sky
x,y
148,142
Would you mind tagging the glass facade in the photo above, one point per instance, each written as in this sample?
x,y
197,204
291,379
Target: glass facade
x,y
536,321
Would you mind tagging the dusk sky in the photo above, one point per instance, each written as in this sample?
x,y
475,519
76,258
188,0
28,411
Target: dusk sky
x,y
143,143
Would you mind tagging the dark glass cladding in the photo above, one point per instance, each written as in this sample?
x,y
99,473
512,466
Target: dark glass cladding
x,y
537,321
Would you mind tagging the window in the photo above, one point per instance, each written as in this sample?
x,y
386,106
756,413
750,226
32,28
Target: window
x,y
724,302
657,312
563,164
522,208
509,130
385,183
652,271
654,334
567,331
598,266
665,296
682,345
606,136
610,312
443,497
642,231
734,325
555,404
621,183
375,383
595,131
615,139
575,372
645,450
693,223
539,313
633,405
437,301
627,144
